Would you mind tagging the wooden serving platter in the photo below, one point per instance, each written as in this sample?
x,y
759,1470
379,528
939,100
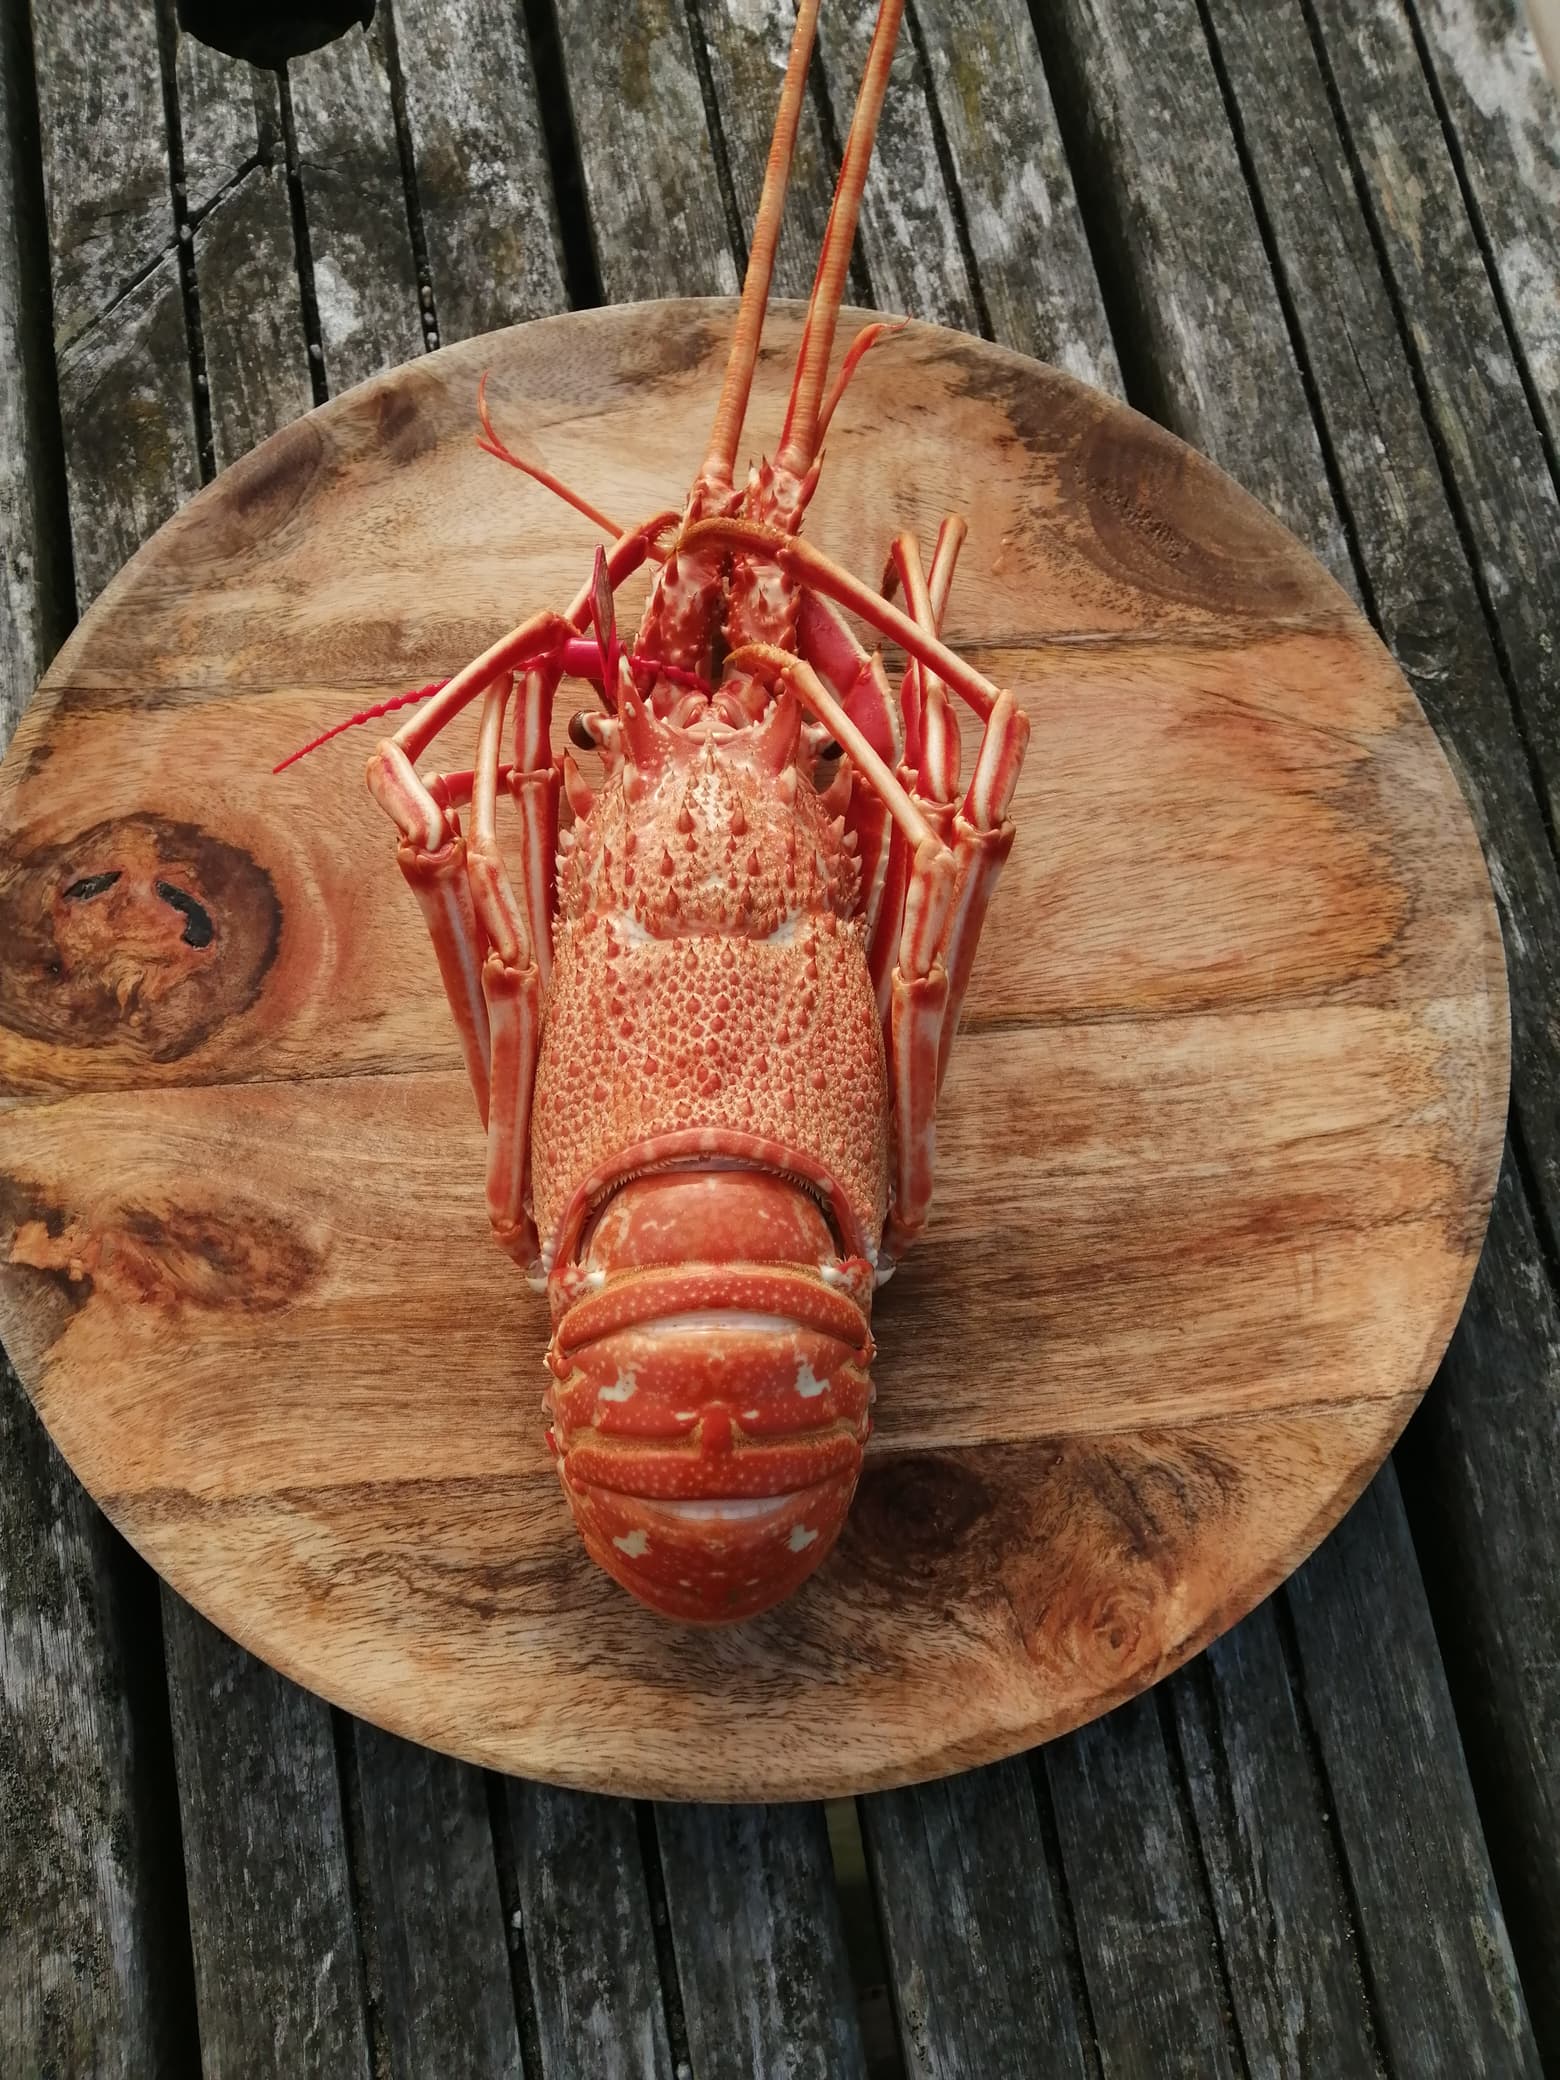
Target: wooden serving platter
x,y
1217,1147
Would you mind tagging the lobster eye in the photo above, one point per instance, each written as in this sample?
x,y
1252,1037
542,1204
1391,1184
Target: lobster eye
x,y
582,730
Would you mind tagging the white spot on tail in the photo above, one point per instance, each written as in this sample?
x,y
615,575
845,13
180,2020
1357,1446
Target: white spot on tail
x,y
801,1538
808,1384
637,1543
621,1389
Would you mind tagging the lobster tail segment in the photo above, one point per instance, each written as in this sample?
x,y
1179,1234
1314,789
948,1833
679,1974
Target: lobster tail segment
x,y
711,1392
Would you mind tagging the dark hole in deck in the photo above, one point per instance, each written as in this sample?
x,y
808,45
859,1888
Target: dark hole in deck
x,y
269,34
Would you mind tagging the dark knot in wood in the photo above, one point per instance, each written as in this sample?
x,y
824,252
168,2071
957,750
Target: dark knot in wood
x,y
138,933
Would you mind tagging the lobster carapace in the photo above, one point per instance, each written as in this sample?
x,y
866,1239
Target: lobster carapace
x,y
707,1010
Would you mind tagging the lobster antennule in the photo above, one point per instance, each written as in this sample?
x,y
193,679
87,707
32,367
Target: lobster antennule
x,y
802,430
738,382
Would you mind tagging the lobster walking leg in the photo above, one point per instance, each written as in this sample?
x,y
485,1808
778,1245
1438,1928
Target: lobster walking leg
x,y
511,975
982,840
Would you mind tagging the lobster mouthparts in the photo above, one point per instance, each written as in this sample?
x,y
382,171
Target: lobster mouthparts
x,y
712,1395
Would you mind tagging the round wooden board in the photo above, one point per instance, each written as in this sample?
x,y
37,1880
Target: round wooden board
x,y
1216,1151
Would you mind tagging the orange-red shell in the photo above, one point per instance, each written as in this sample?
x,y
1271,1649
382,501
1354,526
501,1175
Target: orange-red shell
x,y
710,1007
707,975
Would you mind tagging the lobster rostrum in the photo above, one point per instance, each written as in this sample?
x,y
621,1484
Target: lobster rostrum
x,y
707,1019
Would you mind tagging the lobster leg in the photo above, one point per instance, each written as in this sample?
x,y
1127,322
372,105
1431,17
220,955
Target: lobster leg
x,y
927,722
830,647
918,1004
919,986
511,972
982,840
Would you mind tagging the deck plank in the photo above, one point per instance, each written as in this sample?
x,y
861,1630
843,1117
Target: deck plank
x,y
1033,267
277,1965
94,1969
589,1935
1147,1935
441,1954
121,343
657,217
35,586
1481,1472
1132,90
982,1964
759,1942
364,271
483,185
254,346
1503,113
1446,1989
1278,1887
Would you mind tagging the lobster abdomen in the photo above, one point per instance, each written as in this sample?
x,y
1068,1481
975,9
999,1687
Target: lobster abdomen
x,y
711,1392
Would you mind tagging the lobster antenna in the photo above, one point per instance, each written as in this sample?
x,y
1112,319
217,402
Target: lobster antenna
x,y
800,435
732,409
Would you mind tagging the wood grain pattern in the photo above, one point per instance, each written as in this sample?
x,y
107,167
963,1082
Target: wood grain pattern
x,y
1213,1180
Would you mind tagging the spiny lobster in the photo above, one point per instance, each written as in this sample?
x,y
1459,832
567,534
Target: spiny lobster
x,y
707,1036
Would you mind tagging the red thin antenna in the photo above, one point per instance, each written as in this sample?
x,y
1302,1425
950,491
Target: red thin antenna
x,y
492,445
401,700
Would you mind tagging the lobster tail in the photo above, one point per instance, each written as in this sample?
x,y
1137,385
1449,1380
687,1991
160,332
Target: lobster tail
x,y
711,1396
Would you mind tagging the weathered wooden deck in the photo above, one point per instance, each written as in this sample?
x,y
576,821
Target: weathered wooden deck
x,y
1320,241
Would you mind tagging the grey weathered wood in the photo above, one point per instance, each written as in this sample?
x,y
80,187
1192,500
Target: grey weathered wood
x,y
984,1975
656,214
589,1935
746,42
1421,591
1448,1999
908,232
1492,447
1279,1895
120,337
1219,361
482,177
35,588
251,308
432,1888
1424,599
1196,320
1504,110
428,1891
760,1947
1031,257
94,1974
1481,1472
364,271
1146,1931
277,1970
